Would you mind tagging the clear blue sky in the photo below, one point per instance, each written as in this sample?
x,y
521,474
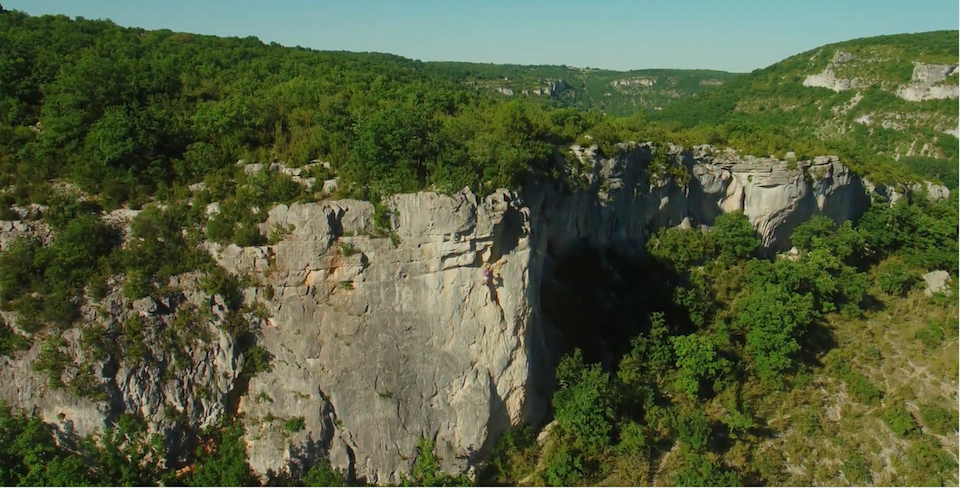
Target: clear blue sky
x,y
733,35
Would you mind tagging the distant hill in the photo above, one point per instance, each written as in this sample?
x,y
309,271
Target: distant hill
x,y
893,96
619,93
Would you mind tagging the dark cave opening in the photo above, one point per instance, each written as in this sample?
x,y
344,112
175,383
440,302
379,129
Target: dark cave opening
x,y
598,299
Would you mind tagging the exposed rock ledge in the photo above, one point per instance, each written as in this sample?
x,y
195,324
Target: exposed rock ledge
x,y
378,344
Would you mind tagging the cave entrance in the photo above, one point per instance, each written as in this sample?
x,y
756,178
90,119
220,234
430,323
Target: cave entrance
x,y
598,299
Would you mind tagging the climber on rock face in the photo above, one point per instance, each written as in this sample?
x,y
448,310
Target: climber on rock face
x,y
487,276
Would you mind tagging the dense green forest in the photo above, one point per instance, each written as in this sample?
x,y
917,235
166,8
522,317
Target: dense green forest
x,y
125,112
725,376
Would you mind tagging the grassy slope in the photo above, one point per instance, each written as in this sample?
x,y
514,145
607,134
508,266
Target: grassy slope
x,y
775,97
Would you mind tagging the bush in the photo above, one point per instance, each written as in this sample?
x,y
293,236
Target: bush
x,y
514,456
699,469
895,278
735,236
321,474
10,341
257,359
693,431
227,465
862,389
564,467
294,425
939,420
426,469
583,404
900,420
931,335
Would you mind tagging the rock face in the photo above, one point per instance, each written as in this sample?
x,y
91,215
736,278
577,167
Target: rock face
x,y
625,205
380,345
160,380
380,340
927,83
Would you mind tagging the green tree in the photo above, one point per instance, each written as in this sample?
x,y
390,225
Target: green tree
x,y
734,236
227,464
773,320
583,406
698,360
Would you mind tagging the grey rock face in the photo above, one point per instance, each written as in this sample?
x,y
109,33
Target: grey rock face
x,y
160,380
379,345
626,204
927,83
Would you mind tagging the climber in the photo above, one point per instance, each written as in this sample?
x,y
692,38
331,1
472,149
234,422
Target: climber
x,y
490,269
487,275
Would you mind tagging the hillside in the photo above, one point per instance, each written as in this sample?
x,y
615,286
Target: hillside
x,y
618,93
892,97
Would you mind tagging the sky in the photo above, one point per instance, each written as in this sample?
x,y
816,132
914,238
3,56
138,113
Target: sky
x,y
731,35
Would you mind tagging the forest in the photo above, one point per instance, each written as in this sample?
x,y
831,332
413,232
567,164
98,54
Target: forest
x,y
728,364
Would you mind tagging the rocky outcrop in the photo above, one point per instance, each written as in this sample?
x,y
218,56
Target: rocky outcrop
x,y
381,337
928,83
828,78
627,204
167,361
378,345
935,282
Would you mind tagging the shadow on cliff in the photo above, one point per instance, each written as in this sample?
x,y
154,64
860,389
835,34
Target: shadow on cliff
x,y
599,300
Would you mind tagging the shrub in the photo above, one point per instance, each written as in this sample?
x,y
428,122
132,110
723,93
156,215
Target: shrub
x,y
900,420
931,335
257,359
321,474
583,404
564,467
895,278
862,389
294,425
10,341
227,465
514,456
735,236
939,420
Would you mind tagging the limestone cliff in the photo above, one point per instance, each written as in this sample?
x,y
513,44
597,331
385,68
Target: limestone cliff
x,y
379,340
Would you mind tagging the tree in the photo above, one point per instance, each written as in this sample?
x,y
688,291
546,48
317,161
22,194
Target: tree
x,y
735,236
773,320
583,404
650,358
697,360
226,465
321,474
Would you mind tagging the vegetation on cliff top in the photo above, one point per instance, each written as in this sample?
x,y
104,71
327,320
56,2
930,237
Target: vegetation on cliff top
x,y
124,113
